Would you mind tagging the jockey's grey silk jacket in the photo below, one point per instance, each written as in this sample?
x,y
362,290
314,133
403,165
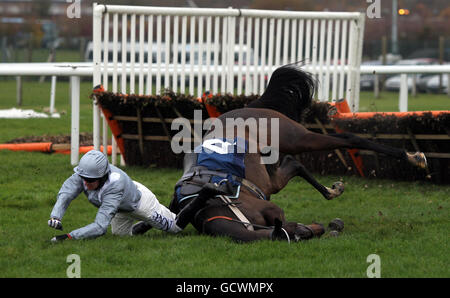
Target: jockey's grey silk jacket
x,y
118,194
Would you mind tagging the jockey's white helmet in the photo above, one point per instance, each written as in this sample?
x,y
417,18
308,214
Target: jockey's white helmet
x,y
93,164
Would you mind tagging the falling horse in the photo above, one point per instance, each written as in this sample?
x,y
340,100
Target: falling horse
x,y
226,188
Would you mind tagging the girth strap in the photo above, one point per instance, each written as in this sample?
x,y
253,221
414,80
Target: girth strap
x,y
237,212
253,188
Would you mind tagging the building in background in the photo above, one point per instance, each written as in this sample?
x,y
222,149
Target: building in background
x,y
419,31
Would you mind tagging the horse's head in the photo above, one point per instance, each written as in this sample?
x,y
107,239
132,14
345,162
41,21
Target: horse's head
x,y
289,92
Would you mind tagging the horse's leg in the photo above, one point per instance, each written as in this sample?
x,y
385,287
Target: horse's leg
x,y
235,230
290,167
291,231
311,141
217,221
418,159
274,216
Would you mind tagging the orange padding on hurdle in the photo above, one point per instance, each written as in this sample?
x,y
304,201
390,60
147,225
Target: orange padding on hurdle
x,y
212,110
366,115
115,128
42,147
47,148
343,107
85,149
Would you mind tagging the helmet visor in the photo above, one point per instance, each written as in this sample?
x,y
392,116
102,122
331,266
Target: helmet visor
x,y
89,180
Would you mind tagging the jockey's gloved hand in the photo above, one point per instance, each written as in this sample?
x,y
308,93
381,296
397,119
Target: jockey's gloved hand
x,y
55,223
61,238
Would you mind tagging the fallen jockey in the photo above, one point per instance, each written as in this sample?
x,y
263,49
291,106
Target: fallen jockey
x,y
217,169
120,202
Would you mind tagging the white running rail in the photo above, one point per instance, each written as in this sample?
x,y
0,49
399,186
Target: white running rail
x,y
77,70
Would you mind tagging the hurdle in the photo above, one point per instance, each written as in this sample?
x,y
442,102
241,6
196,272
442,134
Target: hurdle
x,y
195,50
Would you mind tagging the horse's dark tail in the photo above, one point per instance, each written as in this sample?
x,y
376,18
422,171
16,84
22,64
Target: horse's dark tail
x,y
289,92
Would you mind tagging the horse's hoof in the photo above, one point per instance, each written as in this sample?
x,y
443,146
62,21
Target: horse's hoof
x,y
418,159
336,225
333,234
335,191
339,186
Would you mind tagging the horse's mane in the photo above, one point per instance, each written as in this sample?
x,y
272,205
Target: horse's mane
x,y
289,92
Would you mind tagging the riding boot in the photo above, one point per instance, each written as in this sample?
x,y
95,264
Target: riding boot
x,y
140,228
187,214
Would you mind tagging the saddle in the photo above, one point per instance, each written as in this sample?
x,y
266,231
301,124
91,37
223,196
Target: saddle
x,y
192,182
195,177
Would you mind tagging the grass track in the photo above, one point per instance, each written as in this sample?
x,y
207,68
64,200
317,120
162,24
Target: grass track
x,y
406,224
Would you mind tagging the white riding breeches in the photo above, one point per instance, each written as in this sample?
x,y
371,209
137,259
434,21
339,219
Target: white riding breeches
x,y
148,210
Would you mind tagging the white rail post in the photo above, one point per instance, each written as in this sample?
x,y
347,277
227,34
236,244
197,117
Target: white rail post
x,y
342,61
19,90
403,96
337,26
448,84
75,131
52,95
255,56
360,28
97,39
376,86
105,78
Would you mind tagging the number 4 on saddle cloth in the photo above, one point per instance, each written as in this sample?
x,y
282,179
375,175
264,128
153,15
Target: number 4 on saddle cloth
x,y
217,161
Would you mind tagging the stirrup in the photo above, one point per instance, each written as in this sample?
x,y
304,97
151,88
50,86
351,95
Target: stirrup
x,y
287,235
279,225
140,228
276,237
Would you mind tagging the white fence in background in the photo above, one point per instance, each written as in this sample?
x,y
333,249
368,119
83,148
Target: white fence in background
x,y
77,70
192,50
143,50
215,40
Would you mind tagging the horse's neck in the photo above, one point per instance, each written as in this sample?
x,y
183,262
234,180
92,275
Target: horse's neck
x,y
279,106
256,173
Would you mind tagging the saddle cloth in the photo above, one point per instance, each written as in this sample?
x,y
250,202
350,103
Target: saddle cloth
x,y
218,160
